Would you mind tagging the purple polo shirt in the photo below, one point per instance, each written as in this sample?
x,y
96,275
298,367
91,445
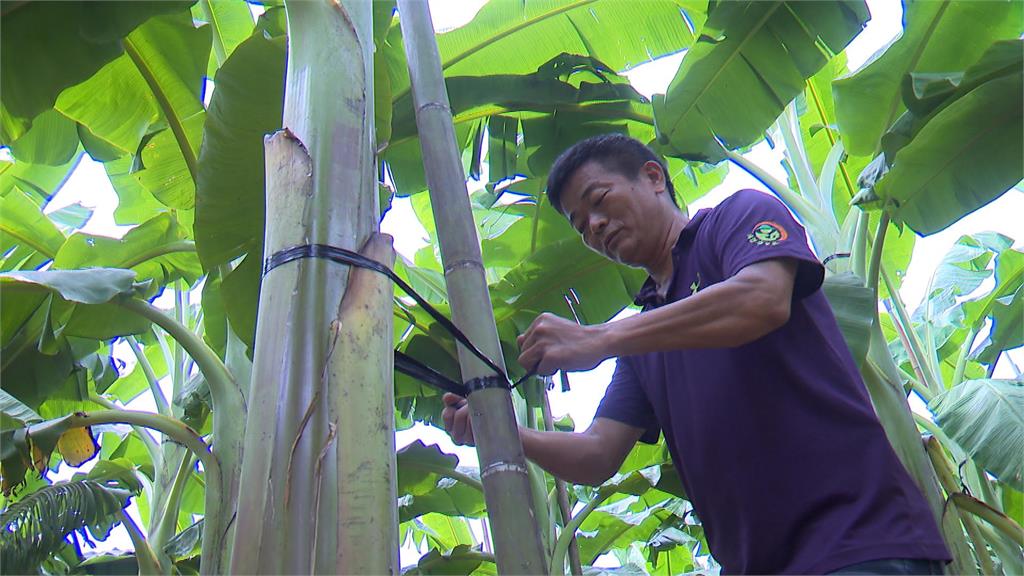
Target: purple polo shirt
x,y
776,441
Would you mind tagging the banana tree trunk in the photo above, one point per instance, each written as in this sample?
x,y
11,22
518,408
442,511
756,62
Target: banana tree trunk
x,y
517,541
318,492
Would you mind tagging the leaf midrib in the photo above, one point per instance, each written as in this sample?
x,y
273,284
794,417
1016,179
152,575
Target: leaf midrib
x,y
997,123
503,34
707,85
925,40
174,121
1002,399
44,250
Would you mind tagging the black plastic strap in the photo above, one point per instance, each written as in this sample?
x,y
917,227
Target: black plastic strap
x,y
835,256
412,367
403,362
343,256
474,384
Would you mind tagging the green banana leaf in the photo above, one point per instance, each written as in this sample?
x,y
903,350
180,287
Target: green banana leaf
x,y
751,60
986,418
937,37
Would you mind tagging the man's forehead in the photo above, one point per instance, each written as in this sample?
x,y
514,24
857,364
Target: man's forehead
x,y
586,177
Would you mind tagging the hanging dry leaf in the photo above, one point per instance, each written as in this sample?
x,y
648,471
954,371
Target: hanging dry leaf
x,y
77,446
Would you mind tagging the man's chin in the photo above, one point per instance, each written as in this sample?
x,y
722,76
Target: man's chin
x,y
623,257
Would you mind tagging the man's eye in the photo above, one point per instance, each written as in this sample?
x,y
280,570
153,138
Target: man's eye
x,y
601,199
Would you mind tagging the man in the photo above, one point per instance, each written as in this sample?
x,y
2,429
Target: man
x,y
738,360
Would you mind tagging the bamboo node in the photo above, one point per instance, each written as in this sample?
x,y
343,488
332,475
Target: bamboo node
x,y
500,467
442,106
464,263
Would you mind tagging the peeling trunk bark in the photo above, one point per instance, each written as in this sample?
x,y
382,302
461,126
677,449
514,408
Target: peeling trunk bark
x,y
316,495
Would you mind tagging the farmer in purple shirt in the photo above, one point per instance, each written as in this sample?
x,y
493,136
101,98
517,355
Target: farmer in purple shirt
x,y
738,360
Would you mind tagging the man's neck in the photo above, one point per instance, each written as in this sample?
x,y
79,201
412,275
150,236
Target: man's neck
x,y
662,267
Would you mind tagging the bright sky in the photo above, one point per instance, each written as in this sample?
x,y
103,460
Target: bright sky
x,y
90,187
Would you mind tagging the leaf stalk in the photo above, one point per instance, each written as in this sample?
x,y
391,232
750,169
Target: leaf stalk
x,y
148,564
569,531
154,383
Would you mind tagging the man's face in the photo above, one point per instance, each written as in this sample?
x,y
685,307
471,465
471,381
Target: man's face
x,y
616,215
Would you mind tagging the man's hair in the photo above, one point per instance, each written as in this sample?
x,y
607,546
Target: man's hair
x,y
615,152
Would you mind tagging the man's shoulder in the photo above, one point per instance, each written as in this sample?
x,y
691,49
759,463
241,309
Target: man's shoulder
x,y
727,213
744,198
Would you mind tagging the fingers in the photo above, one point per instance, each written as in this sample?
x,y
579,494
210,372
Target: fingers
x,y
526,337
531,358
448,413
456,419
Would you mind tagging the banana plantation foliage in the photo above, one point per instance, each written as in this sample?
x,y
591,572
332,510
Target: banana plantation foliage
x,y
177,99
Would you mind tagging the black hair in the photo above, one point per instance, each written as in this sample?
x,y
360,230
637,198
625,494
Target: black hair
x,y
617,153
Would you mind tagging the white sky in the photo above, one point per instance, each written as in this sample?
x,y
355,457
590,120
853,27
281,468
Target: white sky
x,y
90,187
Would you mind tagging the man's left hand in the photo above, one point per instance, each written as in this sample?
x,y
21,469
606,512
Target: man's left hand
x,y
552,343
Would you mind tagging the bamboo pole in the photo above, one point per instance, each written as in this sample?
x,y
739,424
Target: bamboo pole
x,y
517,542
317,493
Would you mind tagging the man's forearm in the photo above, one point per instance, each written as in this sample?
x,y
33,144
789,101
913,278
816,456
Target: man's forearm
x,y
728,314
571,456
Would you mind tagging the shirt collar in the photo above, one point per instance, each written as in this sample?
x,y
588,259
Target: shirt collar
x,y
648,294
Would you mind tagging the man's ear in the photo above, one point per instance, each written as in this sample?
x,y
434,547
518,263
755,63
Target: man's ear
x,y
654,174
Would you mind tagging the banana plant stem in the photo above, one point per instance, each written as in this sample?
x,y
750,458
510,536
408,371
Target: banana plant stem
x,y
860,246
874,267
944,472
221,383
961,361
163,250
538,490
569,531
997,519
805,209
178,370
935,430
154,383
148,564
147,439
170,427
789,127
1009,554
563,494
168,520
485,531
905,327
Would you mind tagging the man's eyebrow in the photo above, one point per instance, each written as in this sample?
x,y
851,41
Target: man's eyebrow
x,y
590,188
586,192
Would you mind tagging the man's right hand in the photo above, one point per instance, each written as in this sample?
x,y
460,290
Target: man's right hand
x,y
456,419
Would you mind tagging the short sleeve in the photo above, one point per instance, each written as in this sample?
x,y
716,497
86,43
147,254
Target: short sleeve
x,y
625,401
752,226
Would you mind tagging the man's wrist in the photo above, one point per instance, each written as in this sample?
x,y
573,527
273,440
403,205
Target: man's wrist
x,y
606,336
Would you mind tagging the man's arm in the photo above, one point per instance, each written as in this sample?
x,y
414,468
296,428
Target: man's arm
x,y
590,457
739,310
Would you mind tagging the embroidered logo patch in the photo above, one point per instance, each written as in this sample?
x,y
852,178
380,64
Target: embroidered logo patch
x,y
767,233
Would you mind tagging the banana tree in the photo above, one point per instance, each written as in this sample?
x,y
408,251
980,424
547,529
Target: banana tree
x,y
317,491
125,85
